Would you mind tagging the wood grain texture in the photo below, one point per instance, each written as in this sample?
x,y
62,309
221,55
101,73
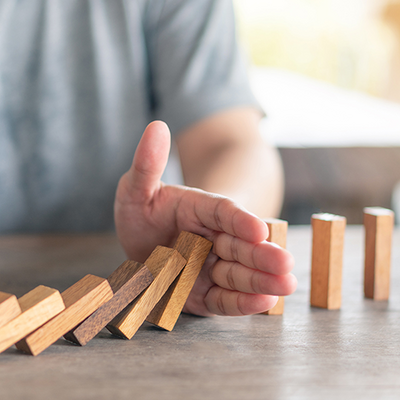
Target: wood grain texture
x,y
194,249
127,282
9,307
81,300
165,265
327,260
277,234
37,307
378,226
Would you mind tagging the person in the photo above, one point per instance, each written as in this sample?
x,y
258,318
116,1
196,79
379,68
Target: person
x,y
80,82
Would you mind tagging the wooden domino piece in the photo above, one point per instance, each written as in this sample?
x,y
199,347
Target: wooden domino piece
x,y
277,234
194,249
378,225
9,307
327,260
127,282
165,265
81,300
37,307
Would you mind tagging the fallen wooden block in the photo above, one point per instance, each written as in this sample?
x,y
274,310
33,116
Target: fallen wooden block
x,y
37,307
195,250
165,264
378,225
9,307
327,260
127,282
81,300
277,234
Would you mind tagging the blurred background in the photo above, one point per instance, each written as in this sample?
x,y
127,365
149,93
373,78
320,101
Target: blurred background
x,y
327,73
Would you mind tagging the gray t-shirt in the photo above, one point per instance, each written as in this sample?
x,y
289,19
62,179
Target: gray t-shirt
x,y
79,82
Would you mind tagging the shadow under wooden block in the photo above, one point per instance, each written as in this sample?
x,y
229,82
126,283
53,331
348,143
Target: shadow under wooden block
x,y
194,249
9,307
378,225
327,260
81,300
127,282
37,307
277,234
165,265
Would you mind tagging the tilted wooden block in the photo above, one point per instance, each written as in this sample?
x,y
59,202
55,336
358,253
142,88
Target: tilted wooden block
x,y
378,225
127,282
81,300
194,249
327,260
9,307
37,306
165,265
277,234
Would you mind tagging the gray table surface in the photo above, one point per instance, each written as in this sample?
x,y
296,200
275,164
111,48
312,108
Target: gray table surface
x,y
307,353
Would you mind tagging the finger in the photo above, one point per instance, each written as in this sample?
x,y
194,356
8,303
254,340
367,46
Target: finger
x,y
221,214
264,256
227,302
150,160
234,276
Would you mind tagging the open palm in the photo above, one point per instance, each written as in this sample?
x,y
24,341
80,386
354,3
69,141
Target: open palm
x,y
242,275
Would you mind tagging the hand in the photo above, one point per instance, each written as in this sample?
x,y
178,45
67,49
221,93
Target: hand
x,y
242,275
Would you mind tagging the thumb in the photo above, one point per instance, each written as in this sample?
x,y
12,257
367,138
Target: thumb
x,y
150,159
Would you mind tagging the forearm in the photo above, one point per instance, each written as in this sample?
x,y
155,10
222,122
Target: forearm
x,y
229,157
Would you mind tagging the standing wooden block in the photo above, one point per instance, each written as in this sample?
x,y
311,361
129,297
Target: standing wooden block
x,y
127,282
165,265
277,234
81,300
327,260
37,306
378,224
195,250
9,308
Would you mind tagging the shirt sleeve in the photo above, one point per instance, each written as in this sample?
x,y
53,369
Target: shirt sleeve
x,y
196,66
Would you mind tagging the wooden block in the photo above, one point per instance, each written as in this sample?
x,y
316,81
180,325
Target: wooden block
x,y
277,234
37,307
327,260
378,224
81,300
9,308
277,231
165,265
127,282
195,250
278,308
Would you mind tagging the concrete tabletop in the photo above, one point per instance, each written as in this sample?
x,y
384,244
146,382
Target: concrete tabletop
x,y
305,354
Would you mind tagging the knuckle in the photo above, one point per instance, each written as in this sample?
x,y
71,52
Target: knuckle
x,y
235,249
255,283
239,304
230,277
220,303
